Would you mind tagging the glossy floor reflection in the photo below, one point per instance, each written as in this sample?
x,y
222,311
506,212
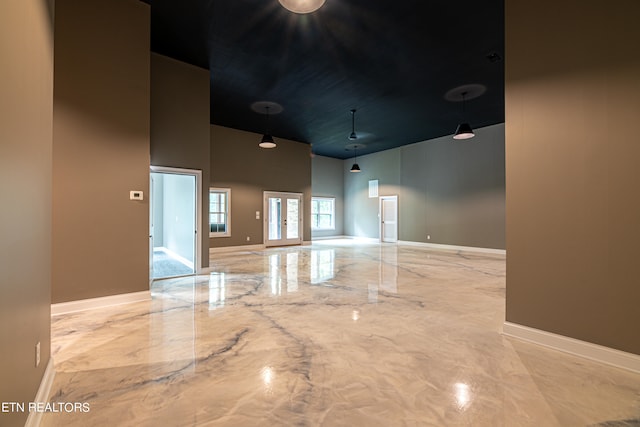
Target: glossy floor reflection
x,y
332,334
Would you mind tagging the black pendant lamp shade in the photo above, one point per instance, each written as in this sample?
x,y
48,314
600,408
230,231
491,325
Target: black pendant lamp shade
x,y
355,167
463,131
267,140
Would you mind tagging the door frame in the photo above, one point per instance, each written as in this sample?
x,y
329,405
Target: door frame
x,y
381,216
265,215
197,263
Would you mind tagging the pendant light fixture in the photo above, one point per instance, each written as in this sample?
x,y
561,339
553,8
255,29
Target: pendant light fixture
x,y
355,167
302,6
463,131
267,140
353,135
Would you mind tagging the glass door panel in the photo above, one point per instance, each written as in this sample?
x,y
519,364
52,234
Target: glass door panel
x,y
292,222
275,218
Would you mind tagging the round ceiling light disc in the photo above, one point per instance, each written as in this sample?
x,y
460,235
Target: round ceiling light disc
x,y
350,147
302,6
261,107
465,92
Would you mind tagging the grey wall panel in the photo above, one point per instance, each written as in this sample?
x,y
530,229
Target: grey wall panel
x,y
26,115
452,191
327,180
238,163
180,129
100,149
572,169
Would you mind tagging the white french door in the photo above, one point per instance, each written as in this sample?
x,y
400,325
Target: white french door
x,y
282,218
389,218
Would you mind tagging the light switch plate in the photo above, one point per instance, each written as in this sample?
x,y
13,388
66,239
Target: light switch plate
x,y
136,195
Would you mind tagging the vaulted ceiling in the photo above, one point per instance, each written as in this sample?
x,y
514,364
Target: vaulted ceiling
x,y
403,65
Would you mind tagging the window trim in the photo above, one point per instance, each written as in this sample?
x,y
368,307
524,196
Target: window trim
x,y
333,213
227,232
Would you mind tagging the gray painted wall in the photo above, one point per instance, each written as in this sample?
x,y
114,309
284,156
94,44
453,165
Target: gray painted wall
x,y
180,125
572,165
100,149
453,191
361,212
327,180
26,114
238,163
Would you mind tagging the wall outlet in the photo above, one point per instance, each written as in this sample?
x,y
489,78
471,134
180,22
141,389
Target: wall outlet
x,y
248,238
428,236
38,354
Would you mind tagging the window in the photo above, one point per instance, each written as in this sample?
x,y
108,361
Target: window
x,y
219,212
323,213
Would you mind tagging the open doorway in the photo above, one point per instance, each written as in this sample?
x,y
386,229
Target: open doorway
x,y
174,222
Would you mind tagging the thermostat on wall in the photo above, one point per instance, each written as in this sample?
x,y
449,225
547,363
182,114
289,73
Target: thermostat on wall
x,y
136,195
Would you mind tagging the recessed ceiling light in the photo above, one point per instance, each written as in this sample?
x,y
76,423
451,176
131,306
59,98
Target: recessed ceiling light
x,y
302,6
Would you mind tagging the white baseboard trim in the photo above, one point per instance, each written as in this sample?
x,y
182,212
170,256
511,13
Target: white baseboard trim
x,y
34,418
329,237
236,248
454,247
92,303
573,346
367,240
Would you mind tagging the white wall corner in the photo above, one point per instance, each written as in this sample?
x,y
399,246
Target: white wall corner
x,y
595,352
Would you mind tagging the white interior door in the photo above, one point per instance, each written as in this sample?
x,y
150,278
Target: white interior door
x,y
283,218
389,218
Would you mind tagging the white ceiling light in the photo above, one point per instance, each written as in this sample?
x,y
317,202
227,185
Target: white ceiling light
x,y
302,6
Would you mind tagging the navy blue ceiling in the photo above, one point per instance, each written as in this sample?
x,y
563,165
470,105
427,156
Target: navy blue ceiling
x,y
393,61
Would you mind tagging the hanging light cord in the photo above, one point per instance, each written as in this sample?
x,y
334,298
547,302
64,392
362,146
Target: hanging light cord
x,y
353,121
267,108
353,135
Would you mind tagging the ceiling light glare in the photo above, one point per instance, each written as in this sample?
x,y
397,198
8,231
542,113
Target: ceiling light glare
x,y
302,6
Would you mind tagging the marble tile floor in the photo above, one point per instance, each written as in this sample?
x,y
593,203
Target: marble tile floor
x,y
331,334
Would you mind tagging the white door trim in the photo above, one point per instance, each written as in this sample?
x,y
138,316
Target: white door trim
x,y
382,219
198,176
